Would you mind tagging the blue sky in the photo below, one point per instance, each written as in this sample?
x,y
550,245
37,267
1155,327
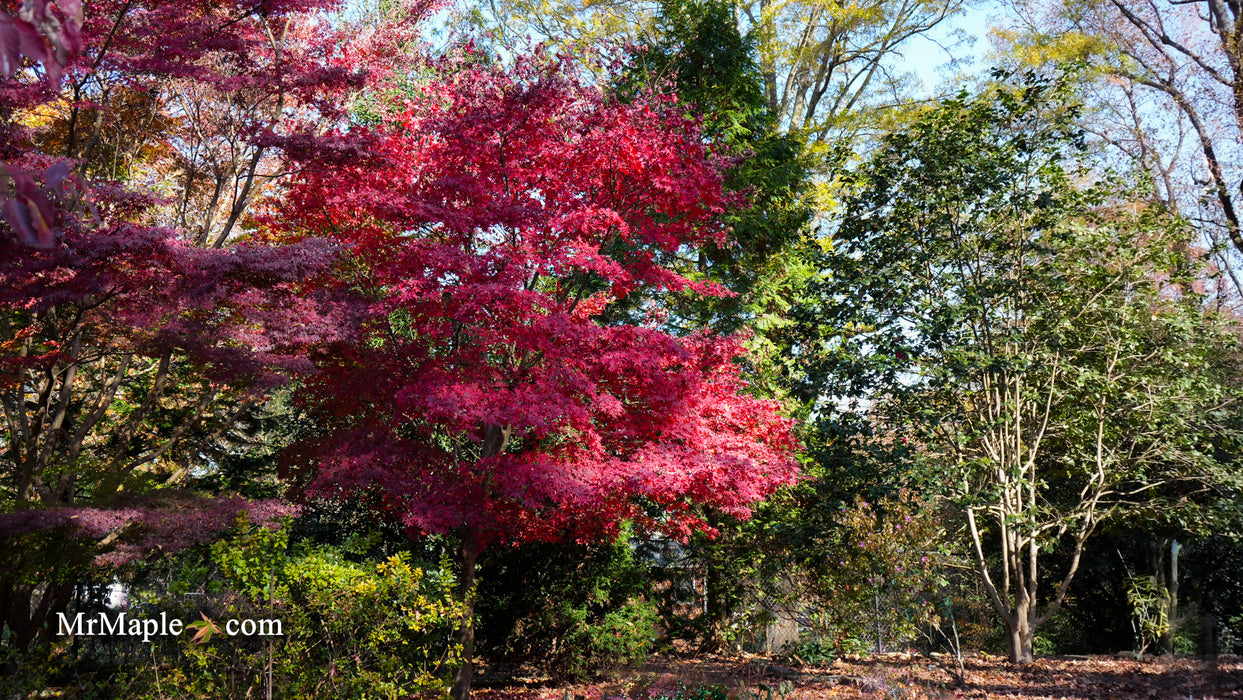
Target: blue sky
x,y
929,57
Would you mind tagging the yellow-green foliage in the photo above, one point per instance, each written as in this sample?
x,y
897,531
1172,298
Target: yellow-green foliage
x,y
351,629
1150,605
1036,49
378,626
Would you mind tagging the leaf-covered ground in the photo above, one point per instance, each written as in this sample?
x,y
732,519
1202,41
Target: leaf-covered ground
x,y
904,676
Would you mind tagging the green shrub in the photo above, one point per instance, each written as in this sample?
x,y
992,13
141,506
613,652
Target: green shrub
x,y
1043,646
569,610
699,692
814,650
618,637
350,630
383,629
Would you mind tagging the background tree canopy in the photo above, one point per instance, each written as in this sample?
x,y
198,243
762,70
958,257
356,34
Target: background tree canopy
x,y
1029,329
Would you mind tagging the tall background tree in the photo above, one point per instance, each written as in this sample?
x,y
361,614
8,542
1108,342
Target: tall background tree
x,y
1166,90
829,70
696,50
1161,87
1028,335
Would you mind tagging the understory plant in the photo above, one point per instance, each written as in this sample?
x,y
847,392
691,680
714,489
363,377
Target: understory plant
x,y
568,611
347,629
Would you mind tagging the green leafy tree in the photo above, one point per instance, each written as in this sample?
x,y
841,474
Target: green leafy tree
x,y
1041,342
829,69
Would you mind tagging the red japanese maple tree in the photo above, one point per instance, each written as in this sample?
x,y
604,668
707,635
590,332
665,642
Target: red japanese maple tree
x,y
136,324
485,397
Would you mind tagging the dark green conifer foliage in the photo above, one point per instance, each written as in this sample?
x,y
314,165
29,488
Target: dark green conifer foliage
x,y
694,47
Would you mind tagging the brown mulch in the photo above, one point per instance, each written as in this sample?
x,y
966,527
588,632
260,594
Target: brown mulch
x,y
899,675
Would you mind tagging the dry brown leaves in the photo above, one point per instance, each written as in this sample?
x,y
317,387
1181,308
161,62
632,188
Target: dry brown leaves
x,y
907,676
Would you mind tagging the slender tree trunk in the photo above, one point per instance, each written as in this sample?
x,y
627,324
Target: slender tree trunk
x,y
495,439
18,612
1171,602
713,609
27,615
768,66
1020,634
1021,630
468,551
6,608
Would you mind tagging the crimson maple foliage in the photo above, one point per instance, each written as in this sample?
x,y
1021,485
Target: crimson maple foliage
x,y
484,397
135,325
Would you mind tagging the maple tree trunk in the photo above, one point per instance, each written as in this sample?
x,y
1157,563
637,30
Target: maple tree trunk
x,y
713,609
1020,645
495,439
26,615
468,551
1020,634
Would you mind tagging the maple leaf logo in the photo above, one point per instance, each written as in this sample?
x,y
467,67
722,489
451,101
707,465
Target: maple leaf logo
x,y
203,630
